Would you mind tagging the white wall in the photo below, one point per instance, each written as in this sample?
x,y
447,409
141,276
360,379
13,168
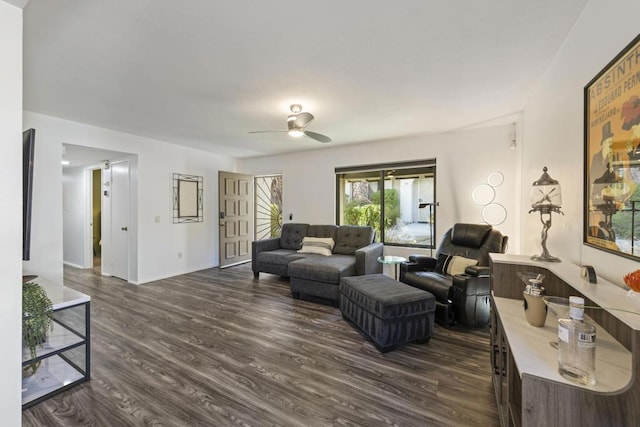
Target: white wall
x,y
158,243
464,159
553,130
10,214
73,216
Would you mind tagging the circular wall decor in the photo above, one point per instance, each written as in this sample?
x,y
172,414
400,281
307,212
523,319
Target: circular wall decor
x,y
495,179
483,194
494,214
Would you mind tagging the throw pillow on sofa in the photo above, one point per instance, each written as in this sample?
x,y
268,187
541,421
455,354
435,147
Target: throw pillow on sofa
x,y
317,245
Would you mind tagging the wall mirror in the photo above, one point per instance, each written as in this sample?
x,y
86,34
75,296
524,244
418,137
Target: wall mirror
x,y
187,198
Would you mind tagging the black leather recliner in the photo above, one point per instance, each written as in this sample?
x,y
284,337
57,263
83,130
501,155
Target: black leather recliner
x,y
462,290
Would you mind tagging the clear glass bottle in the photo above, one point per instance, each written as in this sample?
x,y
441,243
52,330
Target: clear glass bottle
x,y
577,345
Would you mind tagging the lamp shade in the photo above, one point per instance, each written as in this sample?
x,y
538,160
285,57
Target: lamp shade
x,y
545,192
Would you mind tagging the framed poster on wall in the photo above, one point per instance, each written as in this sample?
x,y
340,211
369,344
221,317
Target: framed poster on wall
x,y
612,155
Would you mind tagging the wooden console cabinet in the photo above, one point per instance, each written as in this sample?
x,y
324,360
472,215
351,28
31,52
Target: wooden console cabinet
x,y
529,390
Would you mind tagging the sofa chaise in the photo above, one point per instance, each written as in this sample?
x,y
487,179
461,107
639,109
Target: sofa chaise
x,y
315,269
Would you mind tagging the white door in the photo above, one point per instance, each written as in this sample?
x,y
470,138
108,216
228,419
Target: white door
x,y
235,199
120,219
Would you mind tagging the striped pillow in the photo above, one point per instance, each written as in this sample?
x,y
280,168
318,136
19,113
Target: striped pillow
x,y
451,265
317,245
458,264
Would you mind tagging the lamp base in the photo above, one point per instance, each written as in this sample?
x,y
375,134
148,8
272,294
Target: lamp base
x,y
545,258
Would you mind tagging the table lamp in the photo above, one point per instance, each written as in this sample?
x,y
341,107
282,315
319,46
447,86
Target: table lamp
x,y
545,198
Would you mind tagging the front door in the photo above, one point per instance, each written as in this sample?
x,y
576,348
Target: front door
x,y
235,201
120,219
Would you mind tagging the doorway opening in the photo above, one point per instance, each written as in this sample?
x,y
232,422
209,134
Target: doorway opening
x,y
96,219
100,211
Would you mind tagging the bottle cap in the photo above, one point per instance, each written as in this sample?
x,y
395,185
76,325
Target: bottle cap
x,y
576,305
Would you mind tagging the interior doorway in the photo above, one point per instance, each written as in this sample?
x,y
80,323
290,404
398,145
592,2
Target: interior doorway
x,y
88,193
96,216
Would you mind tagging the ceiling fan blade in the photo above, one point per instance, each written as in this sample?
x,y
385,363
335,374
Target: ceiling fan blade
x,y
268,131
317,136
302,120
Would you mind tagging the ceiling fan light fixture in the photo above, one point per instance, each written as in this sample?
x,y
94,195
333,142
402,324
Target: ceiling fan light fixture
x,y
296,124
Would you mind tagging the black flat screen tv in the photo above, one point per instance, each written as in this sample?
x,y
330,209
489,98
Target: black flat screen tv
x,y
28,149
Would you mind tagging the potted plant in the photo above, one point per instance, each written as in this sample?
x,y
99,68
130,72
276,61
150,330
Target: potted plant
x,y
37,321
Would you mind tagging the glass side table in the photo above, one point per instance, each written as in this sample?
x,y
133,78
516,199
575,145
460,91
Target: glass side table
x,y
392,260
65,356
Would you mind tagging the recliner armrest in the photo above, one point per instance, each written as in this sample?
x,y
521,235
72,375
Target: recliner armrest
x,y
477,271
471,285
470,299
409,266
423,262
406,267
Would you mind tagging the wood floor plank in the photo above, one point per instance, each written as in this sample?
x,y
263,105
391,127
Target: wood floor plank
x,y
218,347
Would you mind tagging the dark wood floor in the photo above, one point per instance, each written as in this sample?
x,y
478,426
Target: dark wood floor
x,y
216,348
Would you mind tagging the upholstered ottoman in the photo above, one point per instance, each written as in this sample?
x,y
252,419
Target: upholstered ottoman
x,y
389,312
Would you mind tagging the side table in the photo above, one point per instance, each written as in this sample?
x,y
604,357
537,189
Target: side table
x,y
392,260
65,355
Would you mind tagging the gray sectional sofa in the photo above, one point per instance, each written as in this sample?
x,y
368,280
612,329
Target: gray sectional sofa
x,y
354,254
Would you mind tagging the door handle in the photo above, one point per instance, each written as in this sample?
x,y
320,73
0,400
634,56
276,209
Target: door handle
x,y
222,224
124,229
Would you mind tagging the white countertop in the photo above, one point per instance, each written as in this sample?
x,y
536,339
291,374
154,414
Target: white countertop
x,y
61,296
534,355
604,293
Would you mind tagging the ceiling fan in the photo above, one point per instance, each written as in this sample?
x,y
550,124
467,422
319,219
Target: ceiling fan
x,y
296,123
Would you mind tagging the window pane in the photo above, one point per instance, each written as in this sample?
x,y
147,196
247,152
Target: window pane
x,y
409,210
398,204
360,200
268,211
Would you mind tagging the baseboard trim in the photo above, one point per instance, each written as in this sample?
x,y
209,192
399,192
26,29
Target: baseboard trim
x,y
70,264
237,263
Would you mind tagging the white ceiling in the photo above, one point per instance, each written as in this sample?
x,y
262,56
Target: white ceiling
x,y
78,155
203,73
